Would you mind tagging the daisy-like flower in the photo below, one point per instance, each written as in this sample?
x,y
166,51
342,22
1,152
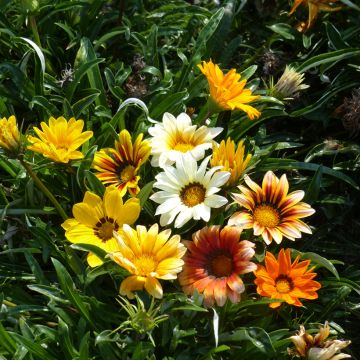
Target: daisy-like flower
x,y
95,220
227,92
213,263
318,347
283,280
188,191
9,134
148,255
315,6
175,137
120,166
60,139
234,161
270,210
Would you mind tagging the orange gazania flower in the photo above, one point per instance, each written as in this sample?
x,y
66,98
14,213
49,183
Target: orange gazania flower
x,y
120,166
270,210
227,91
315,6
281,279
213,263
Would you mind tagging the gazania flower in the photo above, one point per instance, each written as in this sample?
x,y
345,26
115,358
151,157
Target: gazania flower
x,y
175,137
315,6
270,210
120,166
281,279
9,134
233,161
188,191
95,220
60,139
148,255
318,347
227,92
213,263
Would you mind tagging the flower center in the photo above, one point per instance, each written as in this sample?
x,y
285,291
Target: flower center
x,y
266,216
283,284
221,266
183,147
105,227
192,194
127,173
145,264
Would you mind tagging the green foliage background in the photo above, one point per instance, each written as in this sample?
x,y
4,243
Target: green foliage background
x,y
83,59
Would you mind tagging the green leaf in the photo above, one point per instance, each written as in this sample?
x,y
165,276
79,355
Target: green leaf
x,y
321,261
92,248
313,190
145,193
285,30
6,340
171,103
94,183
81,105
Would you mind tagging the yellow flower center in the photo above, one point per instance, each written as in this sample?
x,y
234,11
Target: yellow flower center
x,y
283,284
266,216
145,264
221,266
183,147
127,173
192,194
105,227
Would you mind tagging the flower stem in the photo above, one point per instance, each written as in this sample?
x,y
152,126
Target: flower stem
x,y
44,189
34,29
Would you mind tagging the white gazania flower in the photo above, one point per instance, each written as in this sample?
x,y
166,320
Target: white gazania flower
x,y
188,191
177,136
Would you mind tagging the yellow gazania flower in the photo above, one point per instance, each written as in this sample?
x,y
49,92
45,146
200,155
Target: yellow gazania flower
x,y
148,255
9,134
95,220
314,7
227,91
270,210
120,166
60,139
233,161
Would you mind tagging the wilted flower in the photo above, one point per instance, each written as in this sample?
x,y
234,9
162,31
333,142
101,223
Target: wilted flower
x,y
281,279
9,134
60,139
317,347
350,113
175,137
315,6
227,92
120,166
270,210
289,84
233,161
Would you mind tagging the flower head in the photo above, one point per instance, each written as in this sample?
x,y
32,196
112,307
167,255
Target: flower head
x,y
317,347
234,161
120,166
289,84
281,279
175,137
270,210
9,134
227,92
213,263
60,139
148,255
315,6
188,191
95,220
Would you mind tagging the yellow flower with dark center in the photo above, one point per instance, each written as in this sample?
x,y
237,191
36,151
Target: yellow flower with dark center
x,y
270,210
315,6
148,255
9,134
95,220
215,259
234,161
60,139
120,166
283,280
227,92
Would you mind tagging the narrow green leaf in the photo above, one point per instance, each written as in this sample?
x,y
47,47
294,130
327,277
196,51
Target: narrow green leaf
x,y
81,105
321,261
313,190
94,184
285,30
6,340
145,192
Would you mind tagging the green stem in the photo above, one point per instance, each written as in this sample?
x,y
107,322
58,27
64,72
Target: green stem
x,y
44,189
34,29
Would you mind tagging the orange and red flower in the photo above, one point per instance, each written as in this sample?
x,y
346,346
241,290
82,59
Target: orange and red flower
x,y
283,280
213,263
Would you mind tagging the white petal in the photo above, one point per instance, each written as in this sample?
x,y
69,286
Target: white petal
x,y
215,201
